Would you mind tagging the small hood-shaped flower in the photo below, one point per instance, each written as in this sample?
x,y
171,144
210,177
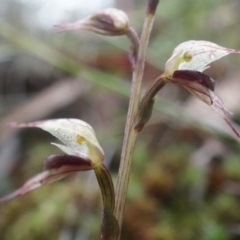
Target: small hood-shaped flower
x,y
83,152
80,144
185,67
110,21
78,137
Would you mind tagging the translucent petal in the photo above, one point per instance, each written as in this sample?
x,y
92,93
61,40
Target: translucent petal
x,y
213,100
65,149
195,55
77,135
202,86
195,88
219,107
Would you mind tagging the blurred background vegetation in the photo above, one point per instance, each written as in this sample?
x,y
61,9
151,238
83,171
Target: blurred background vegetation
x,y
185,181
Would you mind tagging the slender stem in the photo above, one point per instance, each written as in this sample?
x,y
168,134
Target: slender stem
x,y
130,134
133,54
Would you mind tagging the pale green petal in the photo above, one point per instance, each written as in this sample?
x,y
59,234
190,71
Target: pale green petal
x,y
78,136
195,55
65,149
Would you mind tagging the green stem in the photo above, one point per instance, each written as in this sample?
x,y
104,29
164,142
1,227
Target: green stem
x,y
130,134
106,185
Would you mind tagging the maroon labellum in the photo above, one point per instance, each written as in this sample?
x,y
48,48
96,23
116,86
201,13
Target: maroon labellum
x,y
58,161
202,86
197,77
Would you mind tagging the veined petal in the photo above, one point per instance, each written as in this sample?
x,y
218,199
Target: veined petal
x,y
195,55
78,136
202,86
219,107
196,89
56,167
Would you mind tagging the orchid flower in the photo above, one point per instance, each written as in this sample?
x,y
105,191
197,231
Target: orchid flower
x,y
184,68
83,152
110,21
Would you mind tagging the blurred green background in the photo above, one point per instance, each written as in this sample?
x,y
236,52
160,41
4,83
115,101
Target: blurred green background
x,y
185,181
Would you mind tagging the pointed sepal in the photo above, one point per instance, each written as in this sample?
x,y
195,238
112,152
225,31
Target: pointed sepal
x,y
56,167
202,86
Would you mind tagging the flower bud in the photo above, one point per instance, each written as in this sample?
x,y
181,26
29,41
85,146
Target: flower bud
x,y
110,21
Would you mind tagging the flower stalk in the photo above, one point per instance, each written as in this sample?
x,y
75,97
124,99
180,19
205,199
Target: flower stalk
x,y
146,105
131,133
133,37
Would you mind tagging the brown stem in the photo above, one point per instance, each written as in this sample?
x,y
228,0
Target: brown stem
x,y
152,6
131,133
132,35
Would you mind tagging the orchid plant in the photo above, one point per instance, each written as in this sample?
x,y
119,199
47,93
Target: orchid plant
x,y
82,150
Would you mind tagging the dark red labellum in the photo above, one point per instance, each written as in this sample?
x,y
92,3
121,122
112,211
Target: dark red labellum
x,y
195,76
57,161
